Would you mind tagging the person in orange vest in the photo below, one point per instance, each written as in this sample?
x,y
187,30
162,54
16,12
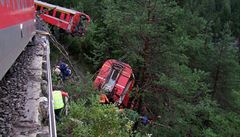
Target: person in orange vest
x,y
103,99
121,109
58,101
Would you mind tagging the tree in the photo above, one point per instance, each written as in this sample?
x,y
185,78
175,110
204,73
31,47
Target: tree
x,y
183,56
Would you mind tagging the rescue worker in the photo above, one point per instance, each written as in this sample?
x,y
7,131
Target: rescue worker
x,y
57,70
58,100
103,99
144,120
121,109
65,70
57,77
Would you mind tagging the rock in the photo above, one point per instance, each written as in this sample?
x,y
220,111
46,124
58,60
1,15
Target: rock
x,y
44,87
43,110
43,135
44,65
4,133
1,120
13,97
44,75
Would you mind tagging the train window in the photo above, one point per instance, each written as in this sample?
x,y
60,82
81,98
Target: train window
x,y
109,85
38,7
68,17
114,74
51,12
58,14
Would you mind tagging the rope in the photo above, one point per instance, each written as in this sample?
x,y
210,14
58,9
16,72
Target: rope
x,y
55,40
64,54
62,51
59,46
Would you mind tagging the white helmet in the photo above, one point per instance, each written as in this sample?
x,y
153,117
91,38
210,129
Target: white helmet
x,y
57,71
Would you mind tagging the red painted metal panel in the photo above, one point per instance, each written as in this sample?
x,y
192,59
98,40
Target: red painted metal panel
x,y
55,21
62,16
67,19
13,12
124,79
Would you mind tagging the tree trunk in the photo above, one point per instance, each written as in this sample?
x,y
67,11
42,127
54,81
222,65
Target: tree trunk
x,y
145,58
216,78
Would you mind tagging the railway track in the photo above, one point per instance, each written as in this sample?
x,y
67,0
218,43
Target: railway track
x,y
25,94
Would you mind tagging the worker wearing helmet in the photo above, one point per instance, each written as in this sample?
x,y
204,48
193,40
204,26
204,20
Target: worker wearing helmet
x,y
65,70
103,99
58,101
57,71
121,109
144,120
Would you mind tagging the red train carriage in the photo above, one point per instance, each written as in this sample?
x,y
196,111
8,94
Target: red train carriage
x,y
116,79
17,27
72,21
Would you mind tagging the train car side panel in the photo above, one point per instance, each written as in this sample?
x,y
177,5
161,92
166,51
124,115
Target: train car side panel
x,y
17,27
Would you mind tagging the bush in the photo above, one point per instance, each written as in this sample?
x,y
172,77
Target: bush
x,y
88,118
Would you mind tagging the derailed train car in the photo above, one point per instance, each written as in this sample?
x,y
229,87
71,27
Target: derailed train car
x,y
71,21
116,80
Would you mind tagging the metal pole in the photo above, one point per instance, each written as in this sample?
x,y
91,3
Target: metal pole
x,y
52,121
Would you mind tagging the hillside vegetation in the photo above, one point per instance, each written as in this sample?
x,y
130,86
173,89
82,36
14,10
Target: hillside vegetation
x,y
185,55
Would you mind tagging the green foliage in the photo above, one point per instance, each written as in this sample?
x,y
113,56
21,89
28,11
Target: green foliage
x,y
185,81
236,97
88,118
80,89
184,58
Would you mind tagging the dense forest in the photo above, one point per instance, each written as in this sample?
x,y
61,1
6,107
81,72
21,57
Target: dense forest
x,y
185,55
